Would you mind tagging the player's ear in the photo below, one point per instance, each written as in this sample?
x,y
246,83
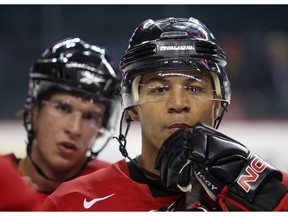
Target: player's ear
x,y
133,113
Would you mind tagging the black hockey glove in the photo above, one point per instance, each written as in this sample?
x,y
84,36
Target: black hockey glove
x,y
173,162
226,170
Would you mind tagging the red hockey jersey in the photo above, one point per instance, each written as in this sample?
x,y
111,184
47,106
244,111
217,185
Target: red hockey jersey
x,y
92,166
109,189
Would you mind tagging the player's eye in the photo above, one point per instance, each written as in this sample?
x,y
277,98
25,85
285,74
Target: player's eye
x,y
158,88
62,107
194,89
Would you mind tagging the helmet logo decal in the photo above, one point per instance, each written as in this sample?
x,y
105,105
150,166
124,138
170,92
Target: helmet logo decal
x,y
90,78
167,48
82,66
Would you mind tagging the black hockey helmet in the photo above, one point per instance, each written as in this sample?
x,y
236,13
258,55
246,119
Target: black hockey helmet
x,y
78,68
173,44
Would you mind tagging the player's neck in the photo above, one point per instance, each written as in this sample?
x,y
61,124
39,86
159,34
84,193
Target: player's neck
x,y
43,184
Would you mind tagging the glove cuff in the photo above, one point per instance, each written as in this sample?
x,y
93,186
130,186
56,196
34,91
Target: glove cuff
x,y
258,187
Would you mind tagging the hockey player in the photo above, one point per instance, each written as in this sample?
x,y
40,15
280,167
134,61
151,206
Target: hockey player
x,y
72,101
175,85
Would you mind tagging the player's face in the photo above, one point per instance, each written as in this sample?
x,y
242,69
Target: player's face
x,y
170,101
66,127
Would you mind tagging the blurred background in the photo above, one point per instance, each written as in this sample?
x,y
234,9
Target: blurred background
x,y
254,38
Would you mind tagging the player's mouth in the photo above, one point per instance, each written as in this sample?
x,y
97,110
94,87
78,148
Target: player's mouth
x,y
176,126
67,148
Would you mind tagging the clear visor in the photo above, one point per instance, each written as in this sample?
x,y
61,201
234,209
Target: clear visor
x,y
170,85
108,130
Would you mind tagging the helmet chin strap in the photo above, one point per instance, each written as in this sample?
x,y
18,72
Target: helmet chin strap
x,y
122,147
41,172
219,118
122,138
